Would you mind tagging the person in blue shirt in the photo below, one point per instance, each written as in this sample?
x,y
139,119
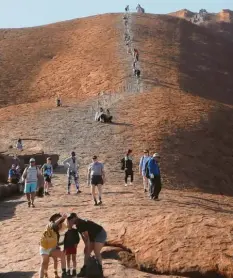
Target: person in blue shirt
x,y
142,169
47,170
13,176
155,178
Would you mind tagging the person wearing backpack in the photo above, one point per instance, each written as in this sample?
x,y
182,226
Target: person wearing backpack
x,y
49,245
94,237
30,177
142,169
127,166
72,171
154,175
47,170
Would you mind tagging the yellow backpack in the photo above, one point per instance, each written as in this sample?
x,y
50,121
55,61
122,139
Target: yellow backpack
x,y
49,238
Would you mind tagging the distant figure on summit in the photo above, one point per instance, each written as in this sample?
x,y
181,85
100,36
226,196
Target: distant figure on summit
x,y
140,9
58,102
127,9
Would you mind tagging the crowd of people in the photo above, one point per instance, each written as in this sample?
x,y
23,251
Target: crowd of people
x,y
93,235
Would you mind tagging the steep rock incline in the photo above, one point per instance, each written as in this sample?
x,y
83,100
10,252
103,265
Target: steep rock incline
x,y
77,58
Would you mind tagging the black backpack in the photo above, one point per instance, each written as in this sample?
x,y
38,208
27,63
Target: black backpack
x,y
147,170
93,269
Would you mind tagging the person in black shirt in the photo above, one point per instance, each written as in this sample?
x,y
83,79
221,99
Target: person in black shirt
x,y
71,241
94,237
127,166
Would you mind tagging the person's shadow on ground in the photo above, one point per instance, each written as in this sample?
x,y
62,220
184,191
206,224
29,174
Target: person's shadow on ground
x,y
17,274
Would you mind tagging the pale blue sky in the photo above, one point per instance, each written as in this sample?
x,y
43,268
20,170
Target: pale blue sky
x,y
25,13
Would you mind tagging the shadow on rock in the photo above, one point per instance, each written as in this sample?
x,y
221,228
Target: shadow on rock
x,y
200,157
17,274
204,65
7,209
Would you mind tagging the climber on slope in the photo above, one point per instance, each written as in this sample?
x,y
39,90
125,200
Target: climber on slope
x,y
137,73
136,54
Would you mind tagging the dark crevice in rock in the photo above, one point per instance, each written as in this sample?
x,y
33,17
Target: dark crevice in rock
x,y
128,259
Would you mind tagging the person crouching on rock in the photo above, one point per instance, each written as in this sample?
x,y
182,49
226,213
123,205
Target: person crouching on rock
x,y
48,245
109,116
94,237
71,242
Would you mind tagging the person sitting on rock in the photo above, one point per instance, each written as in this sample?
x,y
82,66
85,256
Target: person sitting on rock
x,y
13,176
19,145
98,114
109,116
58,102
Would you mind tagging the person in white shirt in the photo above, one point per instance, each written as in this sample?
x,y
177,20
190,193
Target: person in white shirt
x,y
72,171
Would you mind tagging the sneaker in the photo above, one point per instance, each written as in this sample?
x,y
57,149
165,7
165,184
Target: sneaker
x,y
46,194
126,184
78,191
100,202
74,273
82,272
68,272
29,204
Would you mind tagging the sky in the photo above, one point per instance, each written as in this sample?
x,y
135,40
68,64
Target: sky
x,y
28,13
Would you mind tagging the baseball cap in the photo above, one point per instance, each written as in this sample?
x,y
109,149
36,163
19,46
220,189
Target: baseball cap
x,y
32,160
156,155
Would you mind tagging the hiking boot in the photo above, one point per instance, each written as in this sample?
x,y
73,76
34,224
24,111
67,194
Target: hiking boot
x,y
78,191
33,206
99,203
29,204
82,272
68,272
46,193
74,272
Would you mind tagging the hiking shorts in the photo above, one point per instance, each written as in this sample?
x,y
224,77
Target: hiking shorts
x,y
47,178
96,180
30,187
71,250
46,251
101,237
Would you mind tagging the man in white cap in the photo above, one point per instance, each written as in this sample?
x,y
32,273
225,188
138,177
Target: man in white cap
x,y
154,175
30,176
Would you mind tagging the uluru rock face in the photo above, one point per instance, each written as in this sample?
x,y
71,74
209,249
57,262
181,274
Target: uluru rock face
x,y
183,110
73,59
